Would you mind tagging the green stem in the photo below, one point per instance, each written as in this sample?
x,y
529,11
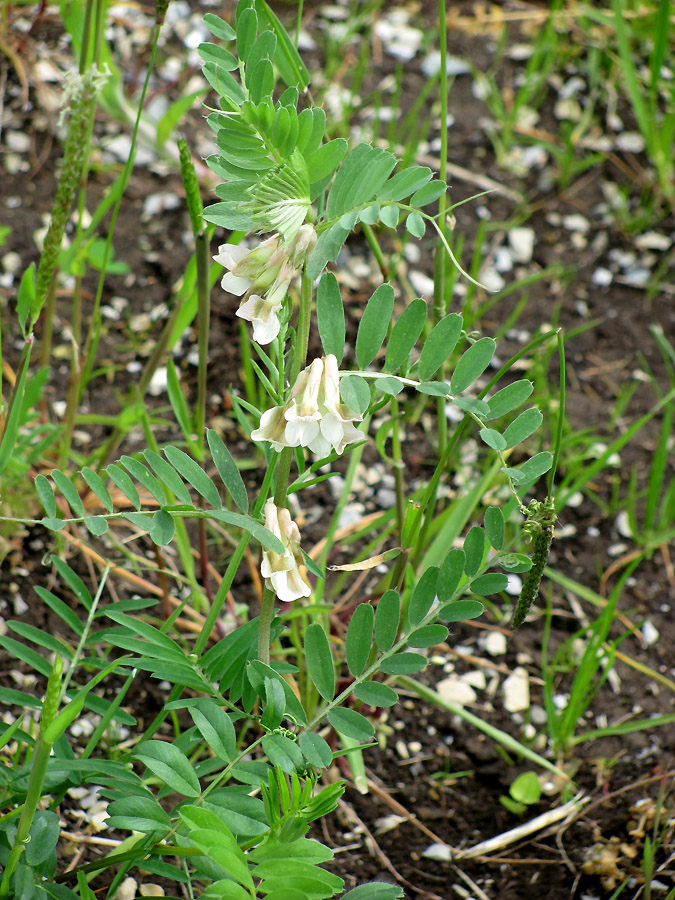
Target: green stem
x,y
286,456
38,772
397,456
204,320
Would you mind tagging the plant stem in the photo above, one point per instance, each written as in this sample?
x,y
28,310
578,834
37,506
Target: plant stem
x,y
285,457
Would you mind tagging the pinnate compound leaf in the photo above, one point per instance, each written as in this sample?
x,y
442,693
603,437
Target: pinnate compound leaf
x,y
423,595
494,527
522,427
247,27
69,491
403,664
415,225
474,550
167,762
227,469
472,365
493,439
359,639
428,636
509,398
123,483
60,608
374,890
461,610
373,325
96,525
96,484
405,183
46,494
532,469
490,583
387,617
407,329
286,58
44,836
315,750
331,316
144,477
355,393
439,345
219,55
283,752
73,580
434,388
350,723
142,814
376,694
361,175
219,27
324,160
450,574
327,248
193,473
320,661
168,476
389,216
428,194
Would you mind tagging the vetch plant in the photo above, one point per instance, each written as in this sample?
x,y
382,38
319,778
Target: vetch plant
x,y
226,778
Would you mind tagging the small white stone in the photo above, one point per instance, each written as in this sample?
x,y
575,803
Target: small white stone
x,y
576,222
622,524
423,285
653,240
454,690
522,243
650,633
602,277
503,259
538,714
516,690
567,109
431,65
514,584
637,276
415,747
560,701
402,750
158,382
151,890
127,890
438,852
495,643
388,823
491,278
630,142
475,678
20,605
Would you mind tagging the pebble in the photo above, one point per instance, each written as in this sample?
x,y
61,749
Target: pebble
x,y
454,690
575,222
522,244
475,678
516,691
602,277
491,278
127,890
494,643
653,240
650,633
637,276
158,382
438,852
423,285
622,524
630,142
514,584
388,823
431,65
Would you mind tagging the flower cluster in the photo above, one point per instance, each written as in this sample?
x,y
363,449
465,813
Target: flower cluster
x,y
313,416
284,574
263,275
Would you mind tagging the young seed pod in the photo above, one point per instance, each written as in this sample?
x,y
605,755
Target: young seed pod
x,y
530,589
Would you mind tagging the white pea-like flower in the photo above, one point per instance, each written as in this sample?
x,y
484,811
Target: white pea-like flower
x,y
313,417
263,276
284,573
